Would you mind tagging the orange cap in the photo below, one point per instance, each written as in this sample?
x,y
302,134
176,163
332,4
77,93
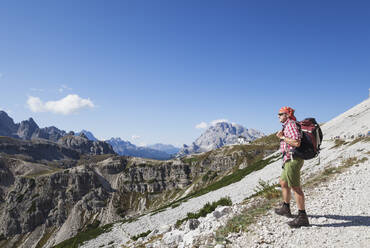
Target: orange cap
x,y
289,111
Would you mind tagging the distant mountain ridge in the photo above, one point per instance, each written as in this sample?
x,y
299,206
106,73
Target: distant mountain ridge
x,y
170,149
219,135
29,130
126,148
83,141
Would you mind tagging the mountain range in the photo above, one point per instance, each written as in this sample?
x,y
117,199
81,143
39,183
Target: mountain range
x,y
216,136
126,148
27,129
84,141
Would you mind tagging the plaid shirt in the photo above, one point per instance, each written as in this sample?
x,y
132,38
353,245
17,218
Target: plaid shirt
x,y
291,131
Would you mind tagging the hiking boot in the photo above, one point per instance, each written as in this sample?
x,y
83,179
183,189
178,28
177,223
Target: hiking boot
x,y
300,220
284,210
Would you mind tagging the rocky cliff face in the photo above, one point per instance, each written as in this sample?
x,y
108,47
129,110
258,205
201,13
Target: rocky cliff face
x,y
37,150
47,200
27,129
83,145
64,201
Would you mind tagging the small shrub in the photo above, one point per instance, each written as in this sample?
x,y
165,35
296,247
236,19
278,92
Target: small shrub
x,y
141,235
131,219
157,211
205,177
176,205
190,160
2,237
365,139
42,242
338,143
32,208
209,176
93,225
32,183
19,198
121,212
352,161
206,209
363,160
329,171
213,176
266,190
240,222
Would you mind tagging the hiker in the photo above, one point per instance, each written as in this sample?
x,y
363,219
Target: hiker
x,y
290,137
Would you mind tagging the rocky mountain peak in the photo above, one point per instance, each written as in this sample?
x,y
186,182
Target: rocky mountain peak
x,y
218,135
84,145
83,135
7,125
27,129
89,135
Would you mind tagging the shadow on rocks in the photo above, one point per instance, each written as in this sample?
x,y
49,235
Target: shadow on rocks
x,y
348,220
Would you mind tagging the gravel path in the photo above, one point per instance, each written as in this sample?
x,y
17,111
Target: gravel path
x,y
339,214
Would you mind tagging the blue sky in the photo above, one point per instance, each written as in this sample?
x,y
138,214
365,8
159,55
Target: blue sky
x,y
151,71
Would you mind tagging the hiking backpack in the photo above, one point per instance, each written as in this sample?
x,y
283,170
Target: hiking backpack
x,y
311,138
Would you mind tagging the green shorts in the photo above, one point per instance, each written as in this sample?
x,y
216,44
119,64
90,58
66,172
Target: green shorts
x,y
292,172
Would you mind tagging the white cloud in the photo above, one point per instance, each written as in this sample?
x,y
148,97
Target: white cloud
x,y
63,87
67,105
201,125
218,121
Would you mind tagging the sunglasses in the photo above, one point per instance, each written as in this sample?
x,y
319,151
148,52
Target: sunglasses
x,y
280,114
